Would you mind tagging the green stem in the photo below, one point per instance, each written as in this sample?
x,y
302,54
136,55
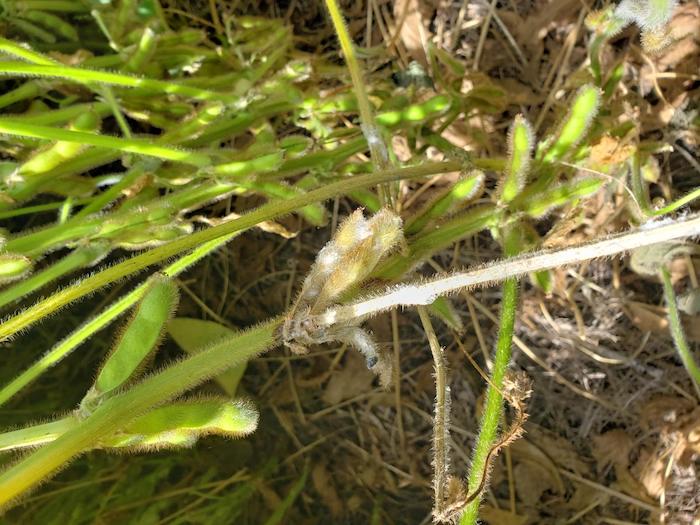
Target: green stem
x,y
88,76
78,258
493,409
366,115
264,213
674,323
682,201
377,148
59,117
141,146
36,435
62,6
116,412
27,90
107,196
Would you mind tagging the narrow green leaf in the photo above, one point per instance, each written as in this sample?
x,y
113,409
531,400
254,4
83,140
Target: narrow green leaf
x,y
445,310
676,327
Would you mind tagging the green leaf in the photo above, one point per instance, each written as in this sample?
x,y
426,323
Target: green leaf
x,y
445,310
193,335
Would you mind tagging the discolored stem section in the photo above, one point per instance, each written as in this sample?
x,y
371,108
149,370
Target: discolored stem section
x,y
425,293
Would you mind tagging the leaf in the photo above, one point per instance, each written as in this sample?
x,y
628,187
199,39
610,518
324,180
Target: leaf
x,y
689,302
612,447
650,259
352,379
494,516
412,31
194,335
445,310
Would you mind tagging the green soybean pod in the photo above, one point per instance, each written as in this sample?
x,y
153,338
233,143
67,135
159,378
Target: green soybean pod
x,y
576,124
464,190
539,205
13,266
521,140
32,30
54,23
182,423
144,51
61,151
141,335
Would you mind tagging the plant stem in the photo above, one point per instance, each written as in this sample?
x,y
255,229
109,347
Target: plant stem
x,y
425,293
493,408
442,413
78,258
37,434
377,148
674,323
346,44
116,412
88,76
264,213
141,146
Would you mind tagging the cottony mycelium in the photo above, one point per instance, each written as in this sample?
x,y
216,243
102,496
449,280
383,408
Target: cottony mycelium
x,y
347,260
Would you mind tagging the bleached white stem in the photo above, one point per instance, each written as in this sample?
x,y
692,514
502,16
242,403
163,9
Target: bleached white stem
x,y
426,292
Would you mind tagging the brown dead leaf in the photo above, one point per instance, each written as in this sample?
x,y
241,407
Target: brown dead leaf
x,y
494,516
649,474
650,318
610,150
558,449
323,483
531,481
612,447
532,457
662,410
412,30
352,379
